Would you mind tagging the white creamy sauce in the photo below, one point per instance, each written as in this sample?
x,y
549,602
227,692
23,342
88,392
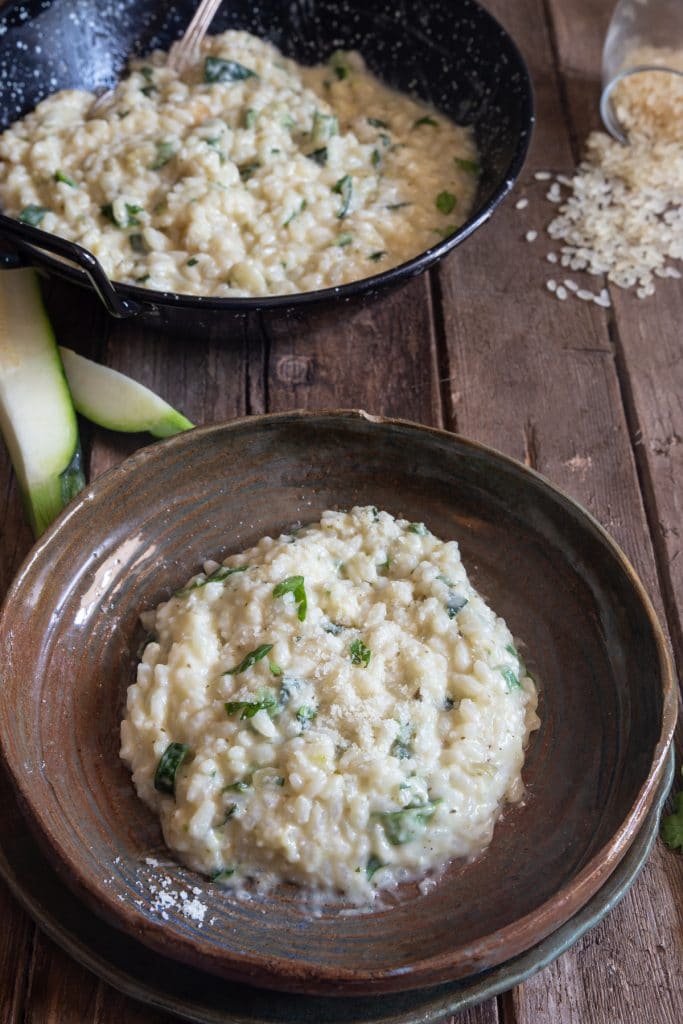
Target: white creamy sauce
x,y
268,178
349,711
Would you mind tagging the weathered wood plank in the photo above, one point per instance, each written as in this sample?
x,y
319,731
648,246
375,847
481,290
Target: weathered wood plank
x,y
379,358
538,379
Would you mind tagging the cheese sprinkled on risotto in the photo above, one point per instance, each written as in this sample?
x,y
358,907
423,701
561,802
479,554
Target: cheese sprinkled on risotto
x,y
247,175
337,708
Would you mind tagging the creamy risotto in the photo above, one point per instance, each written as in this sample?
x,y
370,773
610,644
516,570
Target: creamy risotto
x,y
247,175
337,707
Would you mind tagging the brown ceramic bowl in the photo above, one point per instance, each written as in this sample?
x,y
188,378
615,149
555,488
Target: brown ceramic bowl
x,y
69,632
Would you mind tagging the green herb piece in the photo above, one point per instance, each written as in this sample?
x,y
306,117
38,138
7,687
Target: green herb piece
x,y
319,156
216,69
248,171
65,179
471,166
288,122
373,865
169,763
33,215
375,122
397,206
386,141
446,202
407,824
230,812
333,628
377,256
248,662
360,654
250,118
402,746
344,240
249,708
324,127
192,262
149,90
287,687
141,280
222,875
131,220
445,232
137,244
237,787
344,188
448,704
164,152
147,73
455,603
375,159
671,829
295,213
510,678
338,63
274,668
419,528
222,573
306,715
429,121
294,585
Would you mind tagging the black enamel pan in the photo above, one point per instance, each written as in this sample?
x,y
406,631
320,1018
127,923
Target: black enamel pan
x,y
450,53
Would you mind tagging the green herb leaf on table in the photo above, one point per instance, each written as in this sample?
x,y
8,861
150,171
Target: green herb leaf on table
x,y
671,829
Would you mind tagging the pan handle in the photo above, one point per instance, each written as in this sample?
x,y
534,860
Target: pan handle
x,y
32,247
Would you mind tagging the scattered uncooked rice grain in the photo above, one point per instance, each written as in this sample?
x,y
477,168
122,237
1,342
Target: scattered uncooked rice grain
x,y
624,215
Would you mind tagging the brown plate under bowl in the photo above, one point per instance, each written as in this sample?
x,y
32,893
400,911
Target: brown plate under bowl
x,y
69,631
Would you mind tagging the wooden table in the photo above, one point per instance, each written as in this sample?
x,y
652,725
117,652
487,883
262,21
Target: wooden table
x,y
592,398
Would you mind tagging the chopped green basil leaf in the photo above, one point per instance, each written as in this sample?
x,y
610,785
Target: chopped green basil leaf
x,y
249,708
169,763
319,156
407,824
373,865
192,262
419,528
375,122
247,171
274,668
250,118
306,715
149,90
375,159
402,746
147,73
672,824
471,166
446,202
294,585
142,279
65,179
360,654
222,573
426,121
333,628
455,603
132,211
323,128
237,787
33,215
397,206
295,213
249,661
222,875
344,240
164,152
338,63
510,678
137,244
344,188
377,256
218,70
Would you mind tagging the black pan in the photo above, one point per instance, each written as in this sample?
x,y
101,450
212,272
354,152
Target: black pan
x,y
450,53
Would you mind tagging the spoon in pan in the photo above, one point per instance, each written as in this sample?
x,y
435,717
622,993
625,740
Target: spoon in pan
x,y
184,51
